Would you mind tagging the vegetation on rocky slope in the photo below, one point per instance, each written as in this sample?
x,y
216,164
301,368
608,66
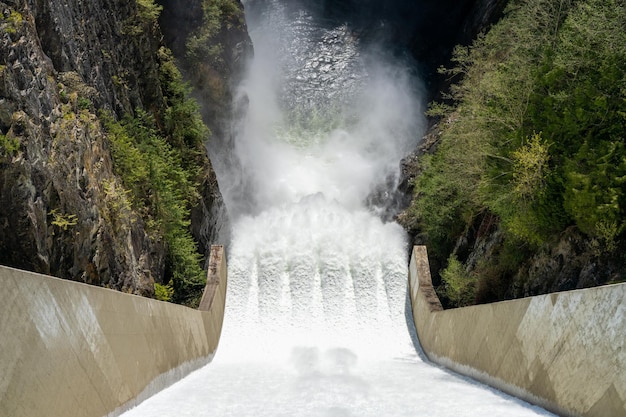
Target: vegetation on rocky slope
x,y
204,46
160,168
104,176
531,152
213,58
160,157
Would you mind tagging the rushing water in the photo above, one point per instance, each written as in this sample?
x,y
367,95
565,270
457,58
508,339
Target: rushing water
x,y
316,307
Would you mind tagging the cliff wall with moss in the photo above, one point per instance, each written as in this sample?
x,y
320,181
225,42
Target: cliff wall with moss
x,y
521,189
104,176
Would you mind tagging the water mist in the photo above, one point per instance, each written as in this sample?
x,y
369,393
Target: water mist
x,y
328,122
315,318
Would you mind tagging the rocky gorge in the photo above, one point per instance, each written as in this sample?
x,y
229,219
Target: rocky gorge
x,y
72,73
64,210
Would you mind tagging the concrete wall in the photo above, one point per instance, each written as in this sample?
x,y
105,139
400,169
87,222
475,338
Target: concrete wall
x,y
69,349
563,351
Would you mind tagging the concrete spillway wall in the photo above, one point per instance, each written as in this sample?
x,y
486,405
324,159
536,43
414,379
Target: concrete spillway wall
x,y
563,351
69,349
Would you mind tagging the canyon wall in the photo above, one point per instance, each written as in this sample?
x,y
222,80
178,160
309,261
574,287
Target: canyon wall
x,y
62,205
428,29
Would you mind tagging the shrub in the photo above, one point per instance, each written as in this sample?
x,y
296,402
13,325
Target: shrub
x,y
12,22
149,11
8,145
204,45
63,220
146,18
161,190
459,286
163,292
530,168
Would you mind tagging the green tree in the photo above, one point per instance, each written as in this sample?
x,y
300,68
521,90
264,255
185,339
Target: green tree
x,y
459,286
557,67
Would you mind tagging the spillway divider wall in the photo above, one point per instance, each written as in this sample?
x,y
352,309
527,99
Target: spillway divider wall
x,y
70,349
563,351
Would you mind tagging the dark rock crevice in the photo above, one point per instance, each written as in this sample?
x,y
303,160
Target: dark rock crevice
x,y
428,29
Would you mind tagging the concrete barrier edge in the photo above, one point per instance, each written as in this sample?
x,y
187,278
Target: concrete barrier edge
x,y
71,349
161,382
563,351
212,306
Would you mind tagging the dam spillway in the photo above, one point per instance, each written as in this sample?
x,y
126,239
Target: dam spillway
x,y
307,351
316,311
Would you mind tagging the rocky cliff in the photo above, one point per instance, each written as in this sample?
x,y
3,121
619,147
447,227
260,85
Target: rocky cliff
x,y
64,210
490,238
211,43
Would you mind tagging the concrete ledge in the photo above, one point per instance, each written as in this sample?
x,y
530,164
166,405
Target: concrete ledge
x,y
70,349
563,351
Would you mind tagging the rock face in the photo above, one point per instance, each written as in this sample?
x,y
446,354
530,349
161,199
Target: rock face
x,y
61,63
449,22
429,29
574,262
211,44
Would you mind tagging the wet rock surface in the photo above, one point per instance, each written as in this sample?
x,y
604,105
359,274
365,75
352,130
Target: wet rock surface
x,y
327,69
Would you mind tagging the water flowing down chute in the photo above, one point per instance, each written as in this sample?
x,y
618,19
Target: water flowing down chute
x,y
316,320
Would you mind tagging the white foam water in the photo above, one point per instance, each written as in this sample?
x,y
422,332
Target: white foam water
x,y
294,282
313,328
316,314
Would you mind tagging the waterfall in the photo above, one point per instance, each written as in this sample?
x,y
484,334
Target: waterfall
x,y
328,122
327,114
315,321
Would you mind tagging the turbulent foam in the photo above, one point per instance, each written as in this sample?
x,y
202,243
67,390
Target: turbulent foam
x,y
310,264
315,272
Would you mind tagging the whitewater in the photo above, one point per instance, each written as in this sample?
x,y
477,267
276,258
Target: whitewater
x,y
317,321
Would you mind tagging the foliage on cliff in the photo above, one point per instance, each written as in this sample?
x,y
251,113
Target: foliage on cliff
x,y
104,176
533,136
162,191
213,55
204,46
160,159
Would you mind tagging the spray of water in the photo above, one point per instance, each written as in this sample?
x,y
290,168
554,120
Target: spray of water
x,y
315,318
311,263
326,116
